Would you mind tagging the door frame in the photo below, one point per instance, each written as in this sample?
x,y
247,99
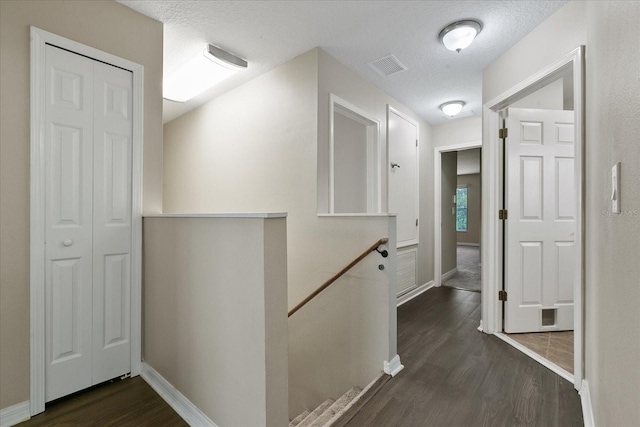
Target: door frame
x,y
437,202
492,190
39,40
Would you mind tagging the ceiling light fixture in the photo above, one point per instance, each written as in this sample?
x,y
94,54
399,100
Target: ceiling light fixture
x,y
200,73
452,108
459,35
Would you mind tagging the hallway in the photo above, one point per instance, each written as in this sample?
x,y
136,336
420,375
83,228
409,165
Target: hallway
x,y
469,274
457,376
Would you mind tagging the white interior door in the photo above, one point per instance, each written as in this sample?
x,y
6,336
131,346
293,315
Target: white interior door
x,y
540,199
403,176
87,222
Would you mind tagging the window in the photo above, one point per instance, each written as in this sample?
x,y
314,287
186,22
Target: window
x,y
461,208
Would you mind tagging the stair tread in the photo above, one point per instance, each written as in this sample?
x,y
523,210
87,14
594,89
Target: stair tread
x,y
336,407
316,413
340,413
297,420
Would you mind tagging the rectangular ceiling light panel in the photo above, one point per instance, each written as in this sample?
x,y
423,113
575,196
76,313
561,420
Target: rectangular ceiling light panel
x,y
200,73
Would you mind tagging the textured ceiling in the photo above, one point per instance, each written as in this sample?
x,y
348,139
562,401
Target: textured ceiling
x,y
270,33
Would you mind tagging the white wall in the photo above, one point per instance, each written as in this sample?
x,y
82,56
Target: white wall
x,y
612,132
457,132
255,149
350,165
558,35
549,97
336,78
215,314
612,267
110,27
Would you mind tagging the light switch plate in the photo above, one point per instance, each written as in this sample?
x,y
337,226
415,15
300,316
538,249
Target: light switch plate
x,y
615,188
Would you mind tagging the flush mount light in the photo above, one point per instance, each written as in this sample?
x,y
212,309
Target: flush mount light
x,y
201,72
459,35
452,108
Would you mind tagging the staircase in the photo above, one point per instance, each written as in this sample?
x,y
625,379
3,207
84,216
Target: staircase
x,y
329,412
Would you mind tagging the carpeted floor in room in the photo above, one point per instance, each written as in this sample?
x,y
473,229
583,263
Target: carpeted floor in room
x,y
468,276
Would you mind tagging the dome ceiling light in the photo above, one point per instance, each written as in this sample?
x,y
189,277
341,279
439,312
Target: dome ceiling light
x,y
452,108
459,35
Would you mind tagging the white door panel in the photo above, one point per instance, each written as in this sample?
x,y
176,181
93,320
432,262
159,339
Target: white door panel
x,y
540,197
112,222
69,210
403,178
88,222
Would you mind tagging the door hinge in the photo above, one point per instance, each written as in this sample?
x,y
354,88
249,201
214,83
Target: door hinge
x,y
416,222
502,214
416,142
502,295
502,133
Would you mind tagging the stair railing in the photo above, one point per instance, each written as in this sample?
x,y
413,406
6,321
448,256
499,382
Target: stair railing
x,y
339,274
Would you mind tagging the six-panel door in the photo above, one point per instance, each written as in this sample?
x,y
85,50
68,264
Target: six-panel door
x,y
540,229
88,221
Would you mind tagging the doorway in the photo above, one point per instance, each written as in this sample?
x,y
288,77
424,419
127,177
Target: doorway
x,y
451,216
461,219
520,253
86,204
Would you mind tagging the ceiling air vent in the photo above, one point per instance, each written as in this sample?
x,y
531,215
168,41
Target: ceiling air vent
x,y
387,66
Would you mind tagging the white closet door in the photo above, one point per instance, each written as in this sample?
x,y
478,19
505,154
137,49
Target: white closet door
x,y
403,176
68,223
111,221
540,228
88,222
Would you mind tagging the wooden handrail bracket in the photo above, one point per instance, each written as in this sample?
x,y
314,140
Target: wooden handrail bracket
x,y
339,274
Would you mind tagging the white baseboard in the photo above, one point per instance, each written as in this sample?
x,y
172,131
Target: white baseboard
x,y
393,366
535,356
183,406
15,414
448,274
587,409
468,244
480,327
414,293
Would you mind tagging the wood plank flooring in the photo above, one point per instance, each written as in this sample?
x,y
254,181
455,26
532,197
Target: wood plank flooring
x,y
457,376
130,402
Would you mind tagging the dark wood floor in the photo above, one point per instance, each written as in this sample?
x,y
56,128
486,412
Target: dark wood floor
x,y
453,376
130,402
457,376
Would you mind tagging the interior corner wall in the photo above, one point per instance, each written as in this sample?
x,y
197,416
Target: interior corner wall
x,y
612,270
612,367
254,149
558,35
474,203
336,78
104,25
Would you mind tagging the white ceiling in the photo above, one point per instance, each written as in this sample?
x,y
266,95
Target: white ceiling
x,y
270,33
